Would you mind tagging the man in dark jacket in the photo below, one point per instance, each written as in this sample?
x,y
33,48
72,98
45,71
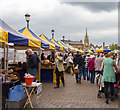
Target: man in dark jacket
x,y
78,60
32,62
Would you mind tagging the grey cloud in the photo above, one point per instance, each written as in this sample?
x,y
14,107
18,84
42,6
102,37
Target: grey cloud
x,y
96,6
66,21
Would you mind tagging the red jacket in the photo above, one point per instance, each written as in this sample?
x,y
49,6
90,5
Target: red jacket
x,y
91,64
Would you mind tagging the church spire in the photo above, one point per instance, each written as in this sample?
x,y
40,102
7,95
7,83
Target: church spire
x,y
86,31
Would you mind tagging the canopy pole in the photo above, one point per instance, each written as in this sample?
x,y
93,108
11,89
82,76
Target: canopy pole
x,y
54,54
63,54
39,67
7,59
4,56
15,54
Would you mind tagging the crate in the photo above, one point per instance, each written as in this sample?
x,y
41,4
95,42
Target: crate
x,y
15,103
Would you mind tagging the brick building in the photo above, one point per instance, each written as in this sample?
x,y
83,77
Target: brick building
x,y
75,44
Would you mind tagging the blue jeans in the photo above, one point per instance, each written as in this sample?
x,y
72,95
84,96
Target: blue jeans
x,y
85,73
92,72
78,76
32,72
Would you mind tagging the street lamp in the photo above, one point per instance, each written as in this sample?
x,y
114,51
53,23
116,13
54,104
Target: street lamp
x,y
52,31
63,38
27,18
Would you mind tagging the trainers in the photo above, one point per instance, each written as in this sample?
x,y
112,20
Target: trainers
x,y
56,87
63,85
106,101
79,81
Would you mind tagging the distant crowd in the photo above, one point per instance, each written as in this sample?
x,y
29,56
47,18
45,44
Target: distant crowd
x,y
89,67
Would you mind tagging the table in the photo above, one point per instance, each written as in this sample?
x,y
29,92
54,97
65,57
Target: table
x,y
49,75
32,91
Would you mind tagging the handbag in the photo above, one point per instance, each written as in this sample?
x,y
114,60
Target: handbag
x,y
70,61
76,70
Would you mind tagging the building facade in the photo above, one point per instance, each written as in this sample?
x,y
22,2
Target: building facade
x,y
79,44
75,44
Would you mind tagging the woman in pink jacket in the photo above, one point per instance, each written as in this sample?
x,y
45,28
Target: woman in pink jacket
x,y
92,69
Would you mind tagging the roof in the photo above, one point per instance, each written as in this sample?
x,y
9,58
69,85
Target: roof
x,y
75,43
10,35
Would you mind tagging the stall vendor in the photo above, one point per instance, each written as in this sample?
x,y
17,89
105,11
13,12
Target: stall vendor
x,y
32,62
43,56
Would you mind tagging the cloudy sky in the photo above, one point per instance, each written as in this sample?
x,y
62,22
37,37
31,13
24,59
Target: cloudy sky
x,y
69,19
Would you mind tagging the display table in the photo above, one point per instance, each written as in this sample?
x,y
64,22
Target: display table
x,y
48,73
32,91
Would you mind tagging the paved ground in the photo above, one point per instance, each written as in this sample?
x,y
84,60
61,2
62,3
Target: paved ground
x,y
74,95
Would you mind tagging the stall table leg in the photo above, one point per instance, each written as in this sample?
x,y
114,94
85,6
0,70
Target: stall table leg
x,y
29,100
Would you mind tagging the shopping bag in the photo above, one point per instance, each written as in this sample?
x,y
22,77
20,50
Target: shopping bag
x,y
16,93
76,70
70,61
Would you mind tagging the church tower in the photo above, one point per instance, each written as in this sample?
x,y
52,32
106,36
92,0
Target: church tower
x,y
86,42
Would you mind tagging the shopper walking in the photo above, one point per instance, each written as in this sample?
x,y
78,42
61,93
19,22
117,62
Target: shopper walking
x,y
69,61
78,60
98,63
92,69
108,75
87,58
59,68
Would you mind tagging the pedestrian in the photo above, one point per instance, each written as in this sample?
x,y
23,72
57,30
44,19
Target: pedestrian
x,y
69,61
98,63
78,60
84,56
65,57
92,69
32,62
59,68
108,75
87,58
43,56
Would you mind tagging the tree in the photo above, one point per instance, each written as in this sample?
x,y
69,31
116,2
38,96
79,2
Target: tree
x,y
112,47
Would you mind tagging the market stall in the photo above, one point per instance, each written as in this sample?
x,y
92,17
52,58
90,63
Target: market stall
x,y
88,51
115,52
46,67
103,49
9,35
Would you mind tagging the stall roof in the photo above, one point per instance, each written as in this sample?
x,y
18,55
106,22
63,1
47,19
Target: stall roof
x,y
71,48
52,45
61,47
65,47
29,33
103,49
57,47
10,35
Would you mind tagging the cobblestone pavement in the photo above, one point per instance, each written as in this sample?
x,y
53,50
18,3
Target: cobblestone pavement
x,y
74,95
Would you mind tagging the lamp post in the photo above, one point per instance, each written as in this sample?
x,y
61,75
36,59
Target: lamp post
x,y
27,17
63,38
52,31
